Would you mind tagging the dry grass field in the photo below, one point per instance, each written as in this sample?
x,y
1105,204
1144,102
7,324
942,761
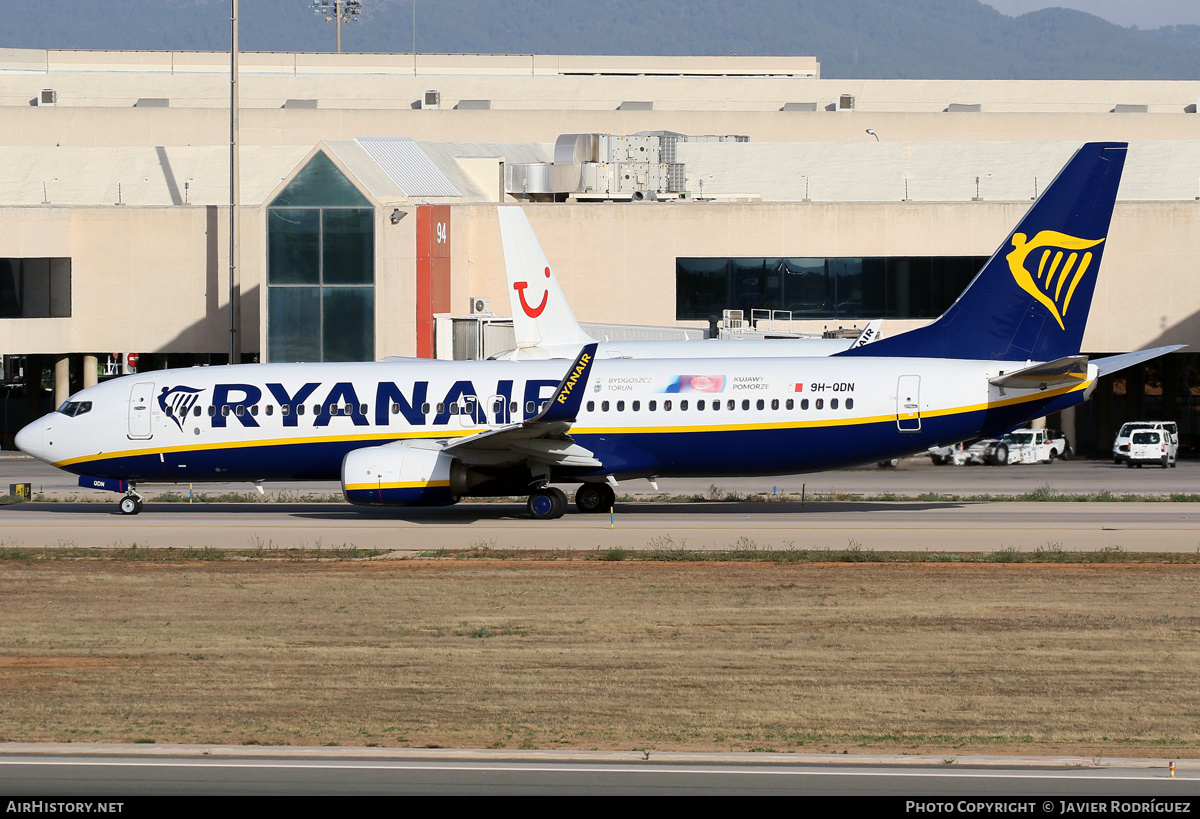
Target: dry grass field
x,y
1097,660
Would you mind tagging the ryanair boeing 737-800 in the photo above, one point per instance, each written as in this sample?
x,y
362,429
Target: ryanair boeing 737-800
x,y
419,432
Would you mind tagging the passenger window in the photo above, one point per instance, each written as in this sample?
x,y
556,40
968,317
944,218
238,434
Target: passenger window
x,y
591,407
316,409
196,412
240,411
604,406
225,410
761,404
300,409
620,406
666,406
530,408
170,411
425,408
716,405
653,406
270,409
683,404
212,411
820,403
803,403
395,408
849,403
731,404
454,409
441,408
513,407
791,404
746,404
700,404
833,403
254,410
637,405
774,403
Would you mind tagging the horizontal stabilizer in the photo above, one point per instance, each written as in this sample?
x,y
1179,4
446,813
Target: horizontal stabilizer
x,y
1116,363
1064,371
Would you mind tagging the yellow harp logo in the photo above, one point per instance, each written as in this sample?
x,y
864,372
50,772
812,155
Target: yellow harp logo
x,y
1058,262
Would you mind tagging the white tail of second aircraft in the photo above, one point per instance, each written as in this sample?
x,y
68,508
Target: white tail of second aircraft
x,y
545,327
541,317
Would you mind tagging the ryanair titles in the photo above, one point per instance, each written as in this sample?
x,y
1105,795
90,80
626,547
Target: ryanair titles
x,y
581,367
317,405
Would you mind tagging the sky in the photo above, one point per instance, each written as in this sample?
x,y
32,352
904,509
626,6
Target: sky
x,y
1140,13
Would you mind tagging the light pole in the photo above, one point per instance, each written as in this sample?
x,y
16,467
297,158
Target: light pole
x,y
339,11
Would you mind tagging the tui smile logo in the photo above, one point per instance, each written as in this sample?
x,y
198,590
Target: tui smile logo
x,y
1060,268
532,312
177,402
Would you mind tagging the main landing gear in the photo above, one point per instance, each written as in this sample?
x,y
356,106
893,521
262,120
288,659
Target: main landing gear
x,y
549,503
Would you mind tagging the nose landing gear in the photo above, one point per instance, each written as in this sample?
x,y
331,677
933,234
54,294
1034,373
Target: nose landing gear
x,y
131,504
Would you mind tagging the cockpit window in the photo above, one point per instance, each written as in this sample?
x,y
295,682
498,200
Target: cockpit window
x,y
73,408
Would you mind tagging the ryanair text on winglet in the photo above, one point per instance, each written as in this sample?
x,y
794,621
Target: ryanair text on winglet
x,y
580,368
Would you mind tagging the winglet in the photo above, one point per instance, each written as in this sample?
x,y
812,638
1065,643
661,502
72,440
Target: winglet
x,y
564,405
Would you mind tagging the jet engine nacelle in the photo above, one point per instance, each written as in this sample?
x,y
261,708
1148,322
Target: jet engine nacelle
x,y
399,474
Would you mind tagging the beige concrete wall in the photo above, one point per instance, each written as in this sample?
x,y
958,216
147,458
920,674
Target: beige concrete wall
x,y
617,262
142,279
300,127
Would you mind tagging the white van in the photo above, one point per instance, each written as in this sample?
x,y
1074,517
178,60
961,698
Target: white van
x,y
1120,449
1151,446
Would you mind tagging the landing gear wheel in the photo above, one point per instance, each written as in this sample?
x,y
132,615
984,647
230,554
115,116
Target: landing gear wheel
x,y
130,505
594,498
547,503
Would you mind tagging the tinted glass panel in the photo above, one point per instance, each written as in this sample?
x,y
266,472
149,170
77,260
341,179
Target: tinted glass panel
x,y
808,288
849,288
294,333
349,323
348,246
294,237
320,183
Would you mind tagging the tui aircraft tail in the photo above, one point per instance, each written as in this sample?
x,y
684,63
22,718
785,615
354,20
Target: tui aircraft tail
x,y
1031,300
541,315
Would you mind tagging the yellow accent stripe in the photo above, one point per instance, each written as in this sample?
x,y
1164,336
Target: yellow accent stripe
x,y
395,436
378,436
1042,263
351,487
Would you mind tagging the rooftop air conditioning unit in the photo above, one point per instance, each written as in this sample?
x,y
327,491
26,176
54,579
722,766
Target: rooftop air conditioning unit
x,y
845,102
432,100
48,97
480,305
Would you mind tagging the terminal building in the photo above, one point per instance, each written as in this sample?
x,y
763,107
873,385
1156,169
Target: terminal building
x,y
665,190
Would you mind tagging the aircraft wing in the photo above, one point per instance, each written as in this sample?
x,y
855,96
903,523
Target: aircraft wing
x,y
542,439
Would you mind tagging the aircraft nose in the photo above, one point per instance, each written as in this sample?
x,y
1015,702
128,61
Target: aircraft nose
x,y
29,441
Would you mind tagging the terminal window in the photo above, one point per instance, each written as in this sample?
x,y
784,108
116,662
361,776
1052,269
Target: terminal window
x,y
35,288
320,269
823,288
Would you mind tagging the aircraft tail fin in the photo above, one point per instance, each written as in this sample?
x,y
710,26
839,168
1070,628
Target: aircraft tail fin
x,y
541,316
1030,301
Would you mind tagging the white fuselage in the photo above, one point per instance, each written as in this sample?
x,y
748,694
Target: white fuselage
x,y
639,417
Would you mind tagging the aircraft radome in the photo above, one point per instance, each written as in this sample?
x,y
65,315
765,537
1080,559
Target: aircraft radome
x,y
417,432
